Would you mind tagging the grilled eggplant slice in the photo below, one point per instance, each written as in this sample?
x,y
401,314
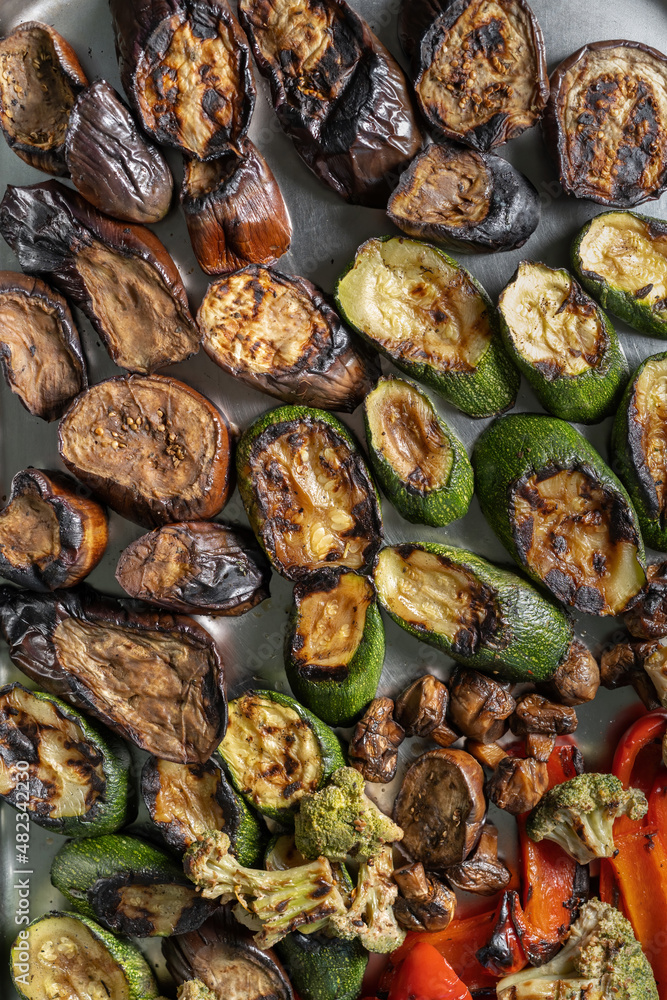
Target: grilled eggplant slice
x,y
110,162
235,212
67,955
40,77
173,434
479,67
120,275
187,800
40,350
196,567
153,678
338,93
334,648
307,492
563,343
621,259
277,333
606,123
465,200
419,462
561,512
66,773
185,67
429,316
276,751
478,614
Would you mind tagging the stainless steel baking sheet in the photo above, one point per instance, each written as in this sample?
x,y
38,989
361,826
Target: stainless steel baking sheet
x,y
326,235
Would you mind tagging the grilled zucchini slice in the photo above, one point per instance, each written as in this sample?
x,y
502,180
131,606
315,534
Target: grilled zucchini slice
x,y
419,462
431,318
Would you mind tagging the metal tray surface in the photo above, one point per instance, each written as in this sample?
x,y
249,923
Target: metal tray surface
x,y
326,234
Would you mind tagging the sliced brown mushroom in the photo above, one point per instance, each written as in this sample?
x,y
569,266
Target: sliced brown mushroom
x,y
624,666
648,618
482,873
441,808
374,747
479,705
517,783
421,710
576,679
539,746
536,714
423,904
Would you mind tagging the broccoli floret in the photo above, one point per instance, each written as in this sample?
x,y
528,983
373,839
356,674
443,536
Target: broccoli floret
x,y
340,822
282,900
600,959
579,815
194,989
371,916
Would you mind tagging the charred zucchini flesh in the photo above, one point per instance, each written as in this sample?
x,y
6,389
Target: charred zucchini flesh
x,y
308,493
335,645
606,123
479,67
621,258
563,343
430,317
276,751
420,463
464,200
278,334
475,612
561,512
76,778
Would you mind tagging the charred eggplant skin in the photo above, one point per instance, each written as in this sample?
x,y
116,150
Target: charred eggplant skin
x,y
632,168
349,114
30,375
80,524
510,205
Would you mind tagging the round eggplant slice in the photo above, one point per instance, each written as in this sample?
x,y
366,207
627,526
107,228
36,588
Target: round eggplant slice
x,y
173,434
153,678
51,534
606,123
111,163
186,69
196,567
234,210
441,808
464,200
40,350
277,333
479,67
40,77
307,492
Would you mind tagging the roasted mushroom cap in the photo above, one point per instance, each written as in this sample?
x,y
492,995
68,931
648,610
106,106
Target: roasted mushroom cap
x,y
465,201
40,77
422,707
482,873
479,705
423,904
517,783
176,437
628,663
235,211
373,749
441,808
606,123
40,350
577,677
536,714
648,618
51,534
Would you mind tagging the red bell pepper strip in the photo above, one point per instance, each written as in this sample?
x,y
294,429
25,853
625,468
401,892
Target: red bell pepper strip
x,y
502,954
458,944
426,975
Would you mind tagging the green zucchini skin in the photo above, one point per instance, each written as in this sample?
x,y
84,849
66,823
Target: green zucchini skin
x,y
439,506
517,445
629,460
532,636
140,980
485,392
116,807
627,306
337,702
585,398
87,873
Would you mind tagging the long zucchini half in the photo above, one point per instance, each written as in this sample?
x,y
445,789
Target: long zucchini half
x,y
475,612
67,955
63,770
426,313
276,751
561,512
128,886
